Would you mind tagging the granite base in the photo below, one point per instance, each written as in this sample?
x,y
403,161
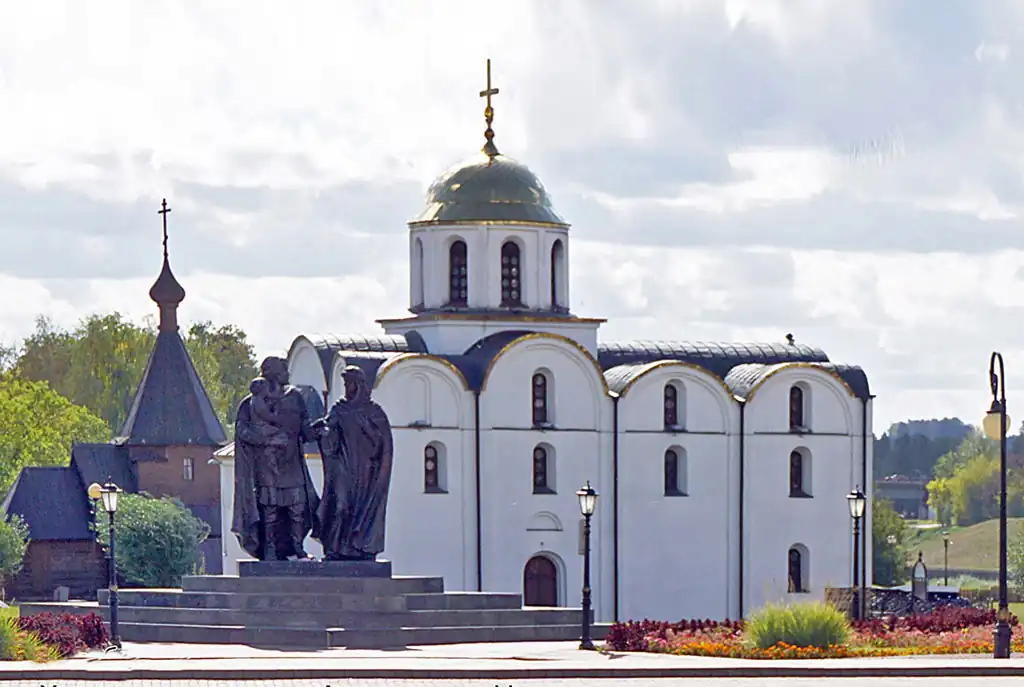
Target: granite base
x,y
310,568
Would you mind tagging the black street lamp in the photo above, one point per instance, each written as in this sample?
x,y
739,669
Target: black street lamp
x,y
588,501
945,557
995,423
108,494
856,501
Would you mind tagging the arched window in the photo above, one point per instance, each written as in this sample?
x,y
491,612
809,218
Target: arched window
x,y
797,572
799,474
796,408
675,472
540,399
543,471
458,273
558,285
433,469
540,582
511,275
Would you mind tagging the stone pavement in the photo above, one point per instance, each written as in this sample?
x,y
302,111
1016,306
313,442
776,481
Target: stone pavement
x,y
567,682
494,663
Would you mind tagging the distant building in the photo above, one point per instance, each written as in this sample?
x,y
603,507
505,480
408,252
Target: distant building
x,y
165,448
908,495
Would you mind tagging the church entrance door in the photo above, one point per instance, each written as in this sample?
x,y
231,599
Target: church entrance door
x,y
540,582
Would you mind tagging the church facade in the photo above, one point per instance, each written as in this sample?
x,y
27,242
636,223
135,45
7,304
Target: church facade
x,y
722,468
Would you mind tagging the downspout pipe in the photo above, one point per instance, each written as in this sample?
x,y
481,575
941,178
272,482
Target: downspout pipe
x,y
742,500
479,506
615,508
870,492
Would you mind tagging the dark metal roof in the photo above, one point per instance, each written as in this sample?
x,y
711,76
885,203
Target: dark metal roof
x,y
742,379
368,362
328,345
53,503
619,377
100,462
473,363
171,407
488,189
715,357
853,375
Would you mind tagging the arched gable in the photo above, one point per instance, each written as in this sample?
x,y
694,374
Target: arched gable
x,y
696,379
304,364
819,378
577,389
446,387
591,361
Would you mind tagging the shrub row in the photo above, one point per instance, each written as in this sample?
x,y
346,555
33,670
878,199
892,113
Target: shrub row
x,y
633,635
942,619
66,632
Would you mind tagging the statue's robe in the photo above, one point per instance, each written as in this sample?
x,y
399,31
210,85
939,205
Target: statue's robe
x,y
274,476
358,450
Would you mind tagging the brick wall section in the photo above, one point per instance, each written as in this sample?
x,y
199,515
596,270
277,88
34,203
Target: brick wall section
x,y
161,473
78,565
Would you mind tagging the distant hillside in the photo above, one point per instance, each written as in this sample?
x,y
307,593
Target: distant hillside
x,y
971,548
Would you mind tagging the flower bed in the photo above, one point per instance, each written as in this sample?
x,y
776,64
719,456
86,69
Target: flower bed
x,y
947,630
48,636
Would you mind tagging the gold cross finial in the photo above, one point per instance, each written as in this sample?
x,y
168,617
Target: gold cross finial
x,y
163,211
489,146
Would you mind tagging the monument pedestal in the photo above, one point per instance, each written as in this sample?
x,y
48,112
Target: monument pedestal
x,y
321,604
312,568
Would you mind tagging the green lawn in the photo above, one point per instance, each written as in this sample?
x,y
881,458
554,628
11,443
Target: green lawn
x,y
971,548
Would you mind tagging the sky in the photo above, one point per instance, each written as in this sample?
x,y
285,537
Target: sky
x,y
733,170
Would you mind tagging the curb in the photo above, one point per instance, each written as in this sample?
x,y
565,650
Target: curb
x,y
518,673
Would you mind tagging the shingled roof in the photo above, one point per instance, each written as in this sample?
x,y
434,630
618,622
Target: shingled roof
x,y
171,407
53,504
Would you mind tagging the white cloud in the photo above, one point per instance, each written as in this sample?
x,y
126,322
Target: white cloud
x,y
732,170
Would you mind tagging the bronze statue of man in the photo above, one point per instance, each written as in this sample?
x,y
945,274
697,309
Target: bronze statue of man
x,y
275,504
357,448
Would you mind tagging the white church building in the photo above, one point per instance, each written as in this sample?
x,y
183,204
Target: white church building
x,y
722,468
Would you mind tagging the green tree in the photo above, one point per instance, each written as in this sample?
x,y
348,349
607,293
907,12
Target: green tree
x,y
38,427
99,363
973,445
226,363
888,544
1015,560
156,539
13,545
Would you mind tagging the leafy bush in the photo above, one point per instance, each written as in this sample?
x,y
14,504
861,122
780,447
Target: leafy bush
x,y
157,539
635,635
942,619
66,632
18,645
798,625
13,545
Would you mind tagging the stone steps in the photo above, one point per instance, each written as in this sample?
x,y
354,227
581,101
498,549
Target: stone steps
x,y
303,638
394,586
157,615
320,605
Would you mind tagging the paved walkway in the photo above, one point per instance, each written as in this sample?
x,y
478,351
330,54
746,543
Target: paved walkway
x,y
548,660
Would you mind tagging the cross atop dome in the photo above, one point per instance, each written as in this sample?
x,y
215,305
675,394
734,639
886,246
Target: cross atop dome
x,y
489,148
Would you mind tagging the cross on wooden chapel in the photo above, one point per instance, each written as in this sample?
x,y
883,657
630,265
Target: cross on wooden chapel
x,y
163,211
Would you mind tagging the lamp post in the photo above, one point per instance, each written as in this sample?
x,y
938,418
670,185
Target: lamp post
x,y
945,557
588,501
108,493
995,423
856,501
